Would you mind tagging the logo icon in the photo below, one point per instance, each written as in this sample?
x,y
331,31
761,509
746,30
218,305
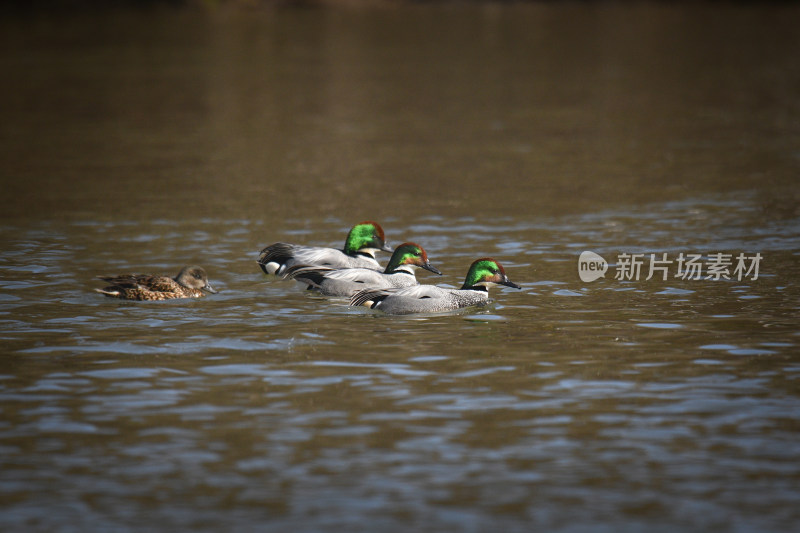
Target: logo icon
x,y
591,266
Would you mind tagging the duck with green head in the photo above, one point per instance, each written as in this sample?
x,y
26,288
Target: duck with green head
x,y
482,274
364,239
347,281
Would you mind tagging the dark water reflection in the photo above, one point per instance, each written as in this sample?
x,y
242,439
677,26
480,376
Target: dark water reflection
x,y
148,140
478,111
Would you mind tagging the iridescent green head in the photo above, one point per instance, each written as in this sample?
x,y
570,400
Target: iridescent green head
x,y
365,238
411,255
485,272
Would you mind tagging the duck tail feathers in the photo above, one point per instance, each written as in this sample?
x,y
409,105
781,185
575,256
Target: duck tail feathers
x,y
108,292
312,275
369,297
274,256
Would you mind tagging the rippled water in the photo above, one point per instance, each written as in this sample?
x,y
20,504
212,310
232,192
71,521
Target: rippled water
x,y
146,140
564,405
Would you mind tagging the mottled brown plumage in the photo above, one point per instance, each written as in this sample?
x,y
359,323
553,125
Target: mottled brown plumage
x,y
190,282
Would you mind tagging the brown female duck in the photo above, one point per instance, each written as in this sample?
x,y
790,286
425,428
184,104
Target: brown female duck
x,y
190,282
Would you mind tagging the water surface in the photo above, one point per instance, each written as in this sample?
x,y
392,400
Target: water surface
x,y
146,140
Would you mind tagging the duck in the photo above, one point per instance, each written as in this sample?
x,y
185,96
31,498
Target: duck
x,y
363,240
482,274
400,272
191,282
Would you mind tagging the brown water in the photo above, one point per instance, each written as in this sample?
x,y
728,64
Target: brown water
x,y
146,140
